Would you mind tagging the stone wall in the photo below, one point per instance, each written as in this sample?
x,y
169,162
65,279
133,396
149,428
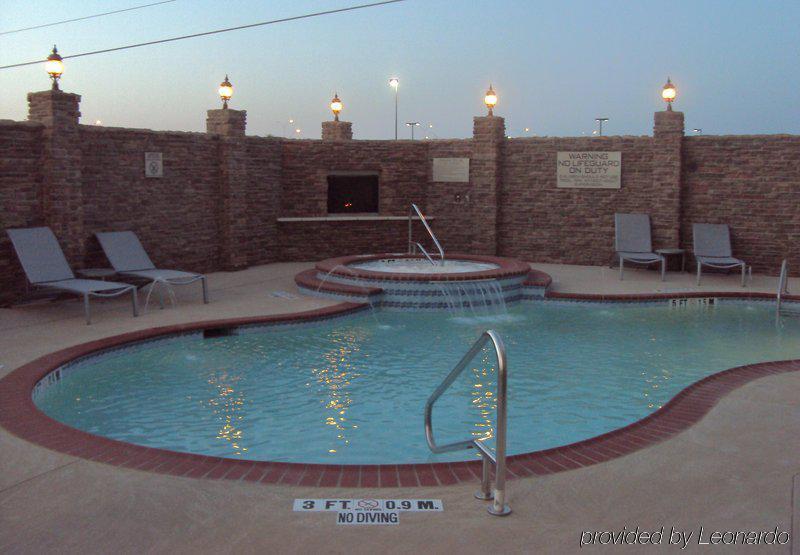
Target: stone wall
x,y
751,183
21,151
575,226
228,201
176,216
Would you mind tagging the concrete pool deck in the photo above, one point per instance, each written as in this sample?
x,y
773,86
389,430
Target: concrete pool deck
x,y
733,470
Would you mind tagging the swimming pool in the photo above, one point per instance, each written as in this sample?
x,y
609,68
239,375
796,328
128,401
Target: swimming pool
x,y
352,390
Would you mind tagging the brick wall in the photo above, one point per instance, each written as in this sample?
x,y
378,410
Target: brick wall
x,y
224,196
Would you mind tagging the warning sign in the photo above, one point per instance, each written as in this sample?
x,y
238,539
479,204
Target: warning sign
x,y
368,511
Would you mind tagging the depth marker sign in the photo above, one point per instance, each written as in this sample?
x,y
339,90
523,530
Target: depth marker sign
x,y
368,511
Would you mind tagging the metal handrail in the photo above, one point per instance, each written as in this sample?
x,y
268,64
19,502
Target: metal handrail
x,y
498,506
415,208
783,283
427,255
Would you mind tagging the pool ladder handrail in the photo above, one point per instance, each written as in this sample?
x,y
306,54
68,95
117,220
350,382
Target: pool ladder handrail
x,y
412,244
783,283
499,507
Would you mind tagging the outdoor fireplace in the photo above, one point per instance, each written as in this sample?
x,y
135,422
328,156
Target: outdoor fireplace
x,y
353,193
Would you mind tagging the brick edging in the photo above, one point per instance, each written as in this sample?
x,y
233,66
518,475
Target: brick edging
x,y
20,416
743,295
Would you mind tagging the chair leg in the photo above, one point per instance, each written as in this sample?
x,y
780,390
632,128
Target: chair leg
x,y
86,308
663,267
135,300
621,267
699,270
744,268
206,300
160,295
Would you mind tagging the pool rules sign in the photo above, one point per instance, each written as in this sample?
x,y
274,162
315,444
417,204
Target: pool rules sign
x,y
367,511
589,170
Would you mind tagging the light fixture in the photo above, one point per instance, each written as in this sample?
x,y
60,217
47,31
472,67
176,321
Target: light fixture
x,y
600,122
412,125
54,67
394,82
490,99
668,93
697,130
336,106
225,92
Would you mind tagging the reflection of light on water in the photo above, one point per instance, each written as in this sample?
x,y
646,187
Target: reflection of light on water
x,y
226,405
334,380
483,400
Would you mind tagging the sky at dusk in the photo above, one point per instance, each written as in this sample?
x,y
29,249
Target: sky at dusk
x,y
556,65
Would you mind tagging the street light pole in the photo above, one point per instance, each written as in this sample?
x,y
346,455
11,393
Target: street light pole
x,y
600,121
412,125
394,82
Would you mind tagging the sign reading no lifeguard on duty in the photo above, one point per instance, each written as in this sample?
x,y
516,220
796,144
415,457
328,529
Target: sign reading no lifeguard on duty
x,y
589,170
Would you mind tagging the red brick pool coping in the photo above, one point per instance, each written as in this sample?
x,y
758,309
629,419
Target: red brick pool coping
x,y
20,416
506,267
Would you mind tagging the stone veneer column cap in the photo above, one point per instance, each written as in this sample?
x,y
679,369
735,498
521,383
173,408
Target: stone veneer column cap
x,y
667,123
337,130
226,122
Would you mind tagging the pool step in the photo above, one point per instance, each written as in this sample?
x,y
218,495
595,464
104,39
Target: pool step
x,y
308,282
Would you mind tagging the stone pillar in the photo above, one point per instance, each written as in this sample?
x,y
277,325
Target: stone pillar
x,y
667,159
229,126
488,138
62,187
337,131
226,122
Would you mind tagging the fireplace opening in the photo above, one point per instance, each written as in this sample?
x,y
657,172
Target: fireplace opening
x,y
353,194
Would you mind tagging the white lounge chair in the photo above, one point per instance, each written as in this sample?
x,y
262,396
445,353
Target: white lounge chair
x,y
632,241
128,258
45,266
712,247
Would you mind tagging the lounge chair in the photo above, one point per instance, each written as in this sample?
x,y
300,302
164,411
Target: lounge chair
x,y
712,247
45,266
128,258
633,242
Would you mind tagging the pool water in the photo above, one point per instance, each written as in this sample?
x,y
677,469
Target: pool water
x,y
422,266
352,390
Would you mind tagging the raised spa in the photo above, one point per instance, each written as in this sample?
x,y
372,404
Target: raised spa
x,y
351,390
422,266
413,282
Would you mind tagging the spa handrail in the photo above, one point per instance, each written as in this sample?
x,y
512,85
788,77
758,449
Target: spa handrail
x,y
415,208
498,506
424,252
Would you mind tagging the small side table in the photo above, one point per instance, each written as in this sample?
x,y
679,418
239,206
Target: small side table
x,y
96,273
673,252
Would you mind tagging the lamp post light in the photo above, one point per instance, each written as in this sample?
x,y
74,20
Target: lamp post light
x,y
225,92
394,82
697,131
600,123
54,67
336,106
490,99
412,125
668,93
